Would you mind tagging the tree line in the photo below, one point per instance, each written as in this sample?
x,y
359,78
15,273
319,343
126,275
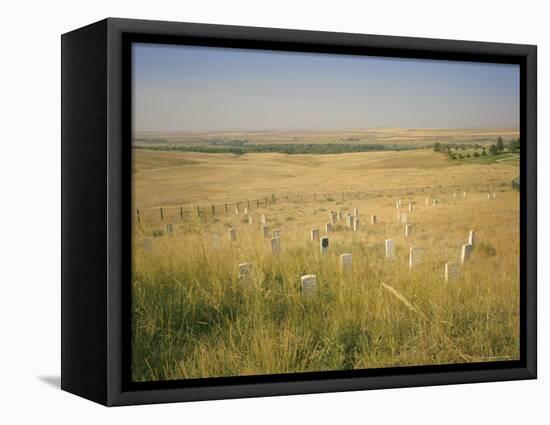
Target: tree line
x,y
455,150
287,148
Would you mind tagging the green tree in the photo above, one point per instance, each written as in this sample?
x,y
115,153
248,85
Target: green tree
x,y
493,150
514,145
483,152
500,144
476,154
437,147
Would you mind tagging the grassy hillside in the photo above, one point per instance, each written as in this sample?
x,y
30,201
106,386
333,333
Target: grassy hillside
x,y
194,317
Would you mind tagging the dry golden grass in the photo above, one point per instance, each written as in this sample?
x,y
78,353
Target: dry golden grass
x,y
190,179
193,317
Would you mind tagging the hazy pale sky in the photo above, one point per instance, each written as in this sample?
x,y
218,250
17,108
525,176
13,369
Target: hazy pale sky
x,y
189,88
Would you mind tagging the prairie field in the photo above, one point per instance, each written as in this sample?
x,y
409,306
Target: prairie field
x,y
195,316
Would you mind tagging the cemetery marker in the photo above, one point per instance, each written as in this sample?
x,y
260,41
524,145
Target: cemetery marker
x,y
275,245
452,272
466,253
244,271
390,249
471,237
324,245
345,263
415,256
309,285
314,235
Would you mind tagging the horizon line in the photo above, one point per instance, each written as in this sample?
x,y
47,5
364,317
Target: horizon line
x,y
325,130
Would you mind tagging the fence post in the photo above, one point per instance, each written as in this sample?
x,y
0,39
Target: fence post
x,y
138,217
199,211
213,210
225,208
181,213
161,214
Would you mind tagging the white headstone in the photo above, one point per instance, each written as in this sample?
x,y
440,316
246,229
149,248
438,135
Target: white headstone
x,y
350,221
356,212
427,201
410,207
245,211
147,245
408,230
237,210
452,272
340,216
276,233
434,202
275,245
463,195
323,245
373,219
309,285
494,195
390,248
328,228
415,256
466,253
398,215
169,229
263,219
488,196
454,195
245,270
265,231
314,235
471,237
250,220
333,218
398,205
355,224
232,233
216,241
345,262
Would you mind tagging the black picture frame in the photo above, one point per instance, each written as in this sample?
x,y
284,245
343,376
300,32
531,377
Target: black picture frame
x,y
96,164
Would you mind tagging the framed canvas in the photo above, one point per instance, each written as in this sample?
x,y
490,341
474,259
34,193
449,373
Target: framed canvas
x,y
253,212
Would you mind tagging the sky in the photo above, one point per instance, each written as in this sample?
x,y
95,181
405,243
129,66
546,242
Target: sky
x,y
198,89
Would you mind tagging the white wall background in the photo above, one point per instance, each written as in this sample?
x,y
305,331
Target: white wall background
x,y
30,210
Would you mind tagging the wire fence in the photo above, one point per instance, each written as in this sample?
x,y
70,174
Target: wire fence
x,y
184,212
